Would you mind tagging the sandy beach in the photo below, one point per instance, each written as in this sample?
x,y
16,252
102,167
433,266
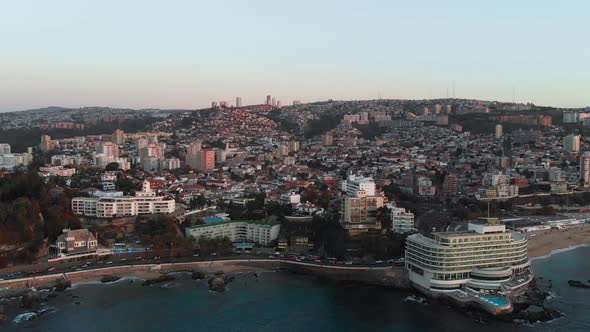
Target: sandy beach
x,y
543,242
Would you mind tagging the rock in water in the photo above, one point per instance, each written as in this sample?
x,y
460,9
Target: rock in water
x,y
109,278
197,275
31,300
63,284
158,280
217,284
577,283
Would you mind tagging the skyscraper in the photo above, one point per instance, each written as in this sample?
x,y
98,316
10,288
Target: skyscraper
x,y
585,169
46,144
327,139
118,137
238,101
571,143
268,100
206,160
499,129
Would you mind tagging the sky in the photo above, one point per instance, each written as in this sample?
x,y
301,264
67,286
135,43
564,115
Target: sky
x,y
185,54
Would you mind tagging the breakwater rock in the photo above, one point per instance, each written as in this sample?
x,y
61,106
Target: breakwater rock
x,y
109,278
578,284
158,280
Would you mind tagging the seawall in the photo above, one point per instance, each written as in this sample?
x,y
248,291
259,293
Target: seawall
x,y
382,276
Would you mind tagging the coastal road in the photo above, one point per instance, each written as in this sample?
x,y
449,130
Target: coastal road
x,y
49,268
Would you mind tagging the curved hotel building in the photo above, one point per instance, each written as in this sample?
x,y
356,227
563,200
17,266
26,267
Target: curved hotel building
x,y
485,257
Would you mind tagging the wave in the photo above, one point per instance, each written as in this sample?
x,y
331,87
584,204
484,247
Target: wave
x,y
415,299
25,317
560,250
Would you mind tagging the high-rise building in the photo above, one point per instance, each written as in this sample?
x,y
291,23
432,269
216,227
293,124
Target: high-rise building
x,y
268,100
437,108
499,130
238,102
294,146
206,160
213,104
278,104
140,144
585,169
107,149
571,143
327,139
194,148
46,143
273,102
449,186
118,137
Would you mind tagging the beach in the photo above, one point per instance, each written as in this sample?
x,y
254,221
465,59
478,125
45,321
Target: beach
x,y
543,242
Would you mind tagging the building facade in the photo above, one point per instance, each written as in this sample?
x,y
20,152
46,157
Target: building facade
x,y
144,202
487,256
237,231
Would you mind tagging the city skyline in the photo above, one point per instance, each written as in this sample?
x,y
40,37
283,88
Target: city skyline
x,y
186,54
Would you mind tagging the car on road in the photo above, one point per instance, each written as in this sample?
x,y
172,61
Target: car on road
x,y
51,269
379,262
109,262
348,263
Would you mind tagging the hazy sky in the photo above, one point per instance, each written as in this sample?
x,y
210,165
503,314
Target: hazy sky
x,y
184,54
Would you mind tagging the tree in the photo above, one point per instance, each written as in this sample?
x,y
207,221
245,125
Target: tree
x,y
112,167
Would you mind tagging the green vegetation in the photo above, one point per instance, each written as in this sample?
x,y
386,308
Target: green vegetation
x,y
32,212
22,138
324,123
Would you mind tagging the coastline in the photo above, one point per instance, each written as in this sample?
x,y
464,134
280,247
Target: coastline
x,y
543,243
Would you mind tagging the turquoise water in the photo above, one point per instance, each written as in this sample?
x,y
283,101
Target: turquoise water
x,y
277,301
499,301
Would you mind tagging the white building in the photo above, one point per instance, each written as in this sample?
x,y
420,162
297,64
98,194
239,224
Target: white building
x,y
498,131
355,184
237,231
290,198
425,187
402,221
487,256
144,202
12,160
4,148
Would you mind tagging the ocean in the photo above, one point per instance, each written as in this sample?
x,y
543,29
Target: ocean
x,y
280,301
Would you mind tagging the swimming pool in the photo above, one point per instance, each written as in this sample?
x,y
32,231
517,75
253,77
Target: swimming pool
x,y
498,301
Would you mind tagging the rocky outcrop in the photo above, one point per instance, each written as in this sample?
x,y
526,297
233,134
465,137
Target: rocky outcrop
x,y
109,278
31,300
219,282
578,284
158,280
197,275
62,285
